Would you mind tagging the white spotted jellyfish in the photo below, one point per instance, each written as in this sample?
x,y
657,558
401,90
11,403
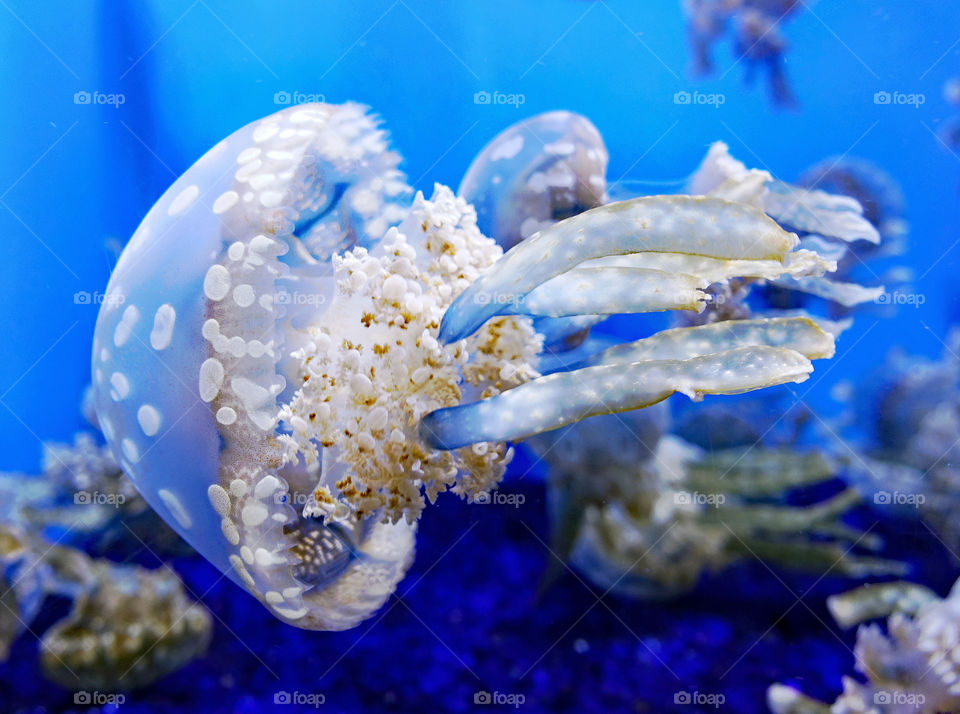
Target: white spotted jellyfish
x,y
295,357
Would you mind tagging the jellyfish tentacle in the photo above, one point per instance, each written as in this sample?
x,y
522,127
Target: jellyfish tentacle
x,y
563,398
798,333
815,211
607,291
678,224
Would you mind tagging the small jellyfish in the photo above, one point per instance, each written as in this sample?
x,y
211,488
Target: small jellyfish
x,y
910,667
754,30
302,360
908,414
637,510
537,172
129,626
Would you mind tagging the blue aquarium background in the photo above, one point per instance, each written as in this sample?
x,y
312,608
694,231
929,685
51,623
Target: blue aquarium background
x,y
475,613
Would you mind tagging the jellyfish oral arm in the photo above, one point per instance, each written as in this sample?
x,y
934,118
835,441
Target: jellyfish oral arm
x,y
563,398
702,226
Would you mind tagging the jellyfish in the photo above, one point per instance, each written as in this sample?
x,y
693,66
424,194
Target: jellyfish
x,y
129,626
910,668
908,414
637,510
537,172
296,359
950,130
754,29
83,498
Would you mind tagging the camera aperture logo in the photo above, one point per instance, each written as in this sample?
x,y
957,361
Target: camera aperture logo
x,y
302,699
699,99
499,98
499,699
99,99
98,699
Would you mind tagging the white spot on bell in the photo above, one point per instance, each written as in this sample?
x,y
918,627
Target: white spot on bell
x,y
183,200
177,510
149,419
163,322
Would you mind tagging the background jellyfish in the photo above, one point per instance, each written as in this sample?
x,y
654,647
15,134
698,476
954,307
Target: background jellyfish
x,y
905,420
128,626
753,27
949,132
537,172
911,667
641,512
417,368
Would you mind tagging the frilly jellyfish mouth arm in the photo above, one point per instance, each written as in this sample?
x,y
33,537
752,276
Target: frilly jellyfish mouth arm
x,y
820,212
563,398
703,226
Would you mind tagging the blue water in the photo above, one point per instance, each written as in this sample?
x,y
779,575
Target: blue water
x,y
76,178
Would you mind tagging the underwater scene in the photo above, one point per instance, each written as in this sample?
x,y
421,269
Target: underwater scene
x,y
453,356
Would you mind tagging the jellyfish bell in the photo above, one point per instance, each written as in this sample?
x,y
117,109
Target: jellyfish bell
x,y
539,171
189,354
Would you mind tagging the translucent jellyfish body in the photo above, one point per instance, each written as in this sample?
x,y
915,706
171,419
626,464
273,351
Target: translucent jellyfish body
x,y
188,357
271,341
539,171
